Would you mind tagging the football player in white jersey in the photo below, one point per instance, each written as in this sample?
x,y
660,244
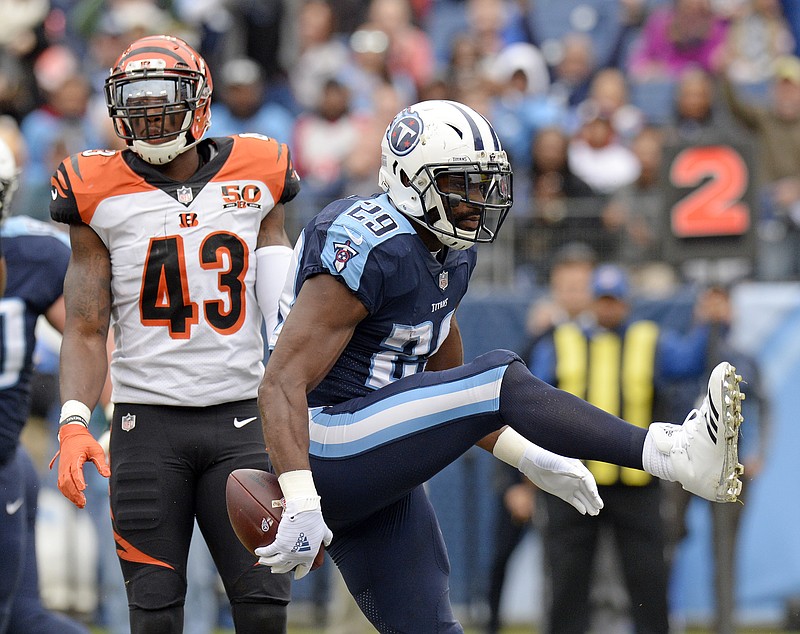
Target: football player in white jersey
x,y
369,342
178,243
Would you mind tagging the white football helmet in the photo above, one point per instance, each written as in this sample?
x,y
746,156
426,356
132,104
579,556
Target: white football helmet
x,y
440,157
159,96
9,177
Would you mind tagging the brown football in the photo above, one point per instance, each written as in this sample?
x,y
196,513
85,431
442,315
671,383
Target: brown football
x,y
254,498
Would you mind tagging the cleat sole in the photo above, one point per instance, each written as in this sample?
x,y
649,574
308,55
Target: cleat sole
x,y
730,484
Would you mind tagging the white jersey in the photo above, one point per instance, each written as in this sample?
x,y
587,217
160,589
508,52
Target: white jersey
x,y
187,327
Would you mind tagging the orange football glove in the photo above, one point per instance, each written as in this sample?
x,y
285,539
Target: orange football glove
x,y
76,446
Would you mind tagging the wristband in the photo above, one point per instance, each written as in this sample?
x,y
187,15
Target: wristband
x,y
299,485
73,412
510,447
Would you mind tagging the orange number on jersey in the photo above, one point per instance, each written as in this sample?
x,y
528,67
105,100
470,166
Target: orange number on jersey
x,y
225,251
715,208
164,299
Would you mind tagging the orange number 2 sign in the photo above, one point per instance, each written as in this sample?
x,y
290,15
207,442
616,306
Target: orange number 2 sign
x,y
716,207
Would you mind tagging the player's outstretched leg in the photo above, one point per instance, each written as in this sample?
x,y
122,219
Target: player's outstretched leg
x,y
704,452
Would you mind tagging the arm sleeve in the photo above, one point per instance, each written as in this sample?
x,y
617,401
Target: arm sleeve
x,y
272,265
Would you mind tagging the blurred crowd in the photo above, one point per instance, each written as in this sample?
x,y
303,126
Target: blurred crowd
x,y
588,96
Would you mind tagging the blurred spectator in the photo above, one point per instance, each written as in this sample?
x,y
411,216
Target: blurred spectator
x,y
463,68
618,365
573,70
242,106
349,14
550,219
716,307
568,299
757,36
597,155
320,56
610,24
553,178
569,296
680,34
58,128
521,105
117,26
21,20
609,90
322,141
695,117
635,211
492,25
364,161
776,126
256,32
367,70
210,20
575,59
22,39
410,53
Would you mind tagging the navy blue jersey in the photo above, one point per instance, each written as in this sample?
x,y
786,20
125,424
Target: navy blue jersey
x,y
36,259
410,295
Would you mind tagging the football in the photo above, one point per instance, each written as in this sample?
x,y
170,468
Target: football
x,y
253,498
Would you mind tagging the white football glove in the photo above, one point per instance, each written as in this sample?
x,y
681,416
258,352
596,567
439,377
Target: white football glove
x,y
300,533
566,478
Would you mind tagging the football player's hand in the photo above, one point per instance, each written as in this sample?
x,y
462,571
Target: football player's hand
x,y
566,478
76,446
300,533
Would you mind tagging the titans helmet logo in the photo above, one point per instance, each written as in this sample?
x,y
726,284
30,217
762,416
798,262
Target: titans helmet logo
x,y
404,132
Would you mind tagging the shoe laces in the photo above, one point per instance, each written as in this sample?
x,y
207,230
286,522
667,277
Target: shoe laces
x,y
687,430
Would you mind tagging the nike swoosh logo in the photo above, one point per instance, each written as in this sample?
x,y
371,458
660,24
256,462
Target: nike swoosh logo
x,y
241,423
356,240
13,507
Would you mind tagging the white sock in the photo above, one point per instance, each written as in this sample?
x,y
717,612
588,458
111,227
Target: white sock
x,y
655,462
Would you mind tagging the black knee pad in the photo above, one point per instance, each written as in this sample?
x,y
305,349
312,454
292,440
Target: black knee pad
x,y
260,618
153,588
164,621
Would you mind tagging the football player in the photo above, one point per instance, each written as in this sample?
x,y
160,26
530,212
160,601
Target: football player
x,y
366,396
36,265
178,241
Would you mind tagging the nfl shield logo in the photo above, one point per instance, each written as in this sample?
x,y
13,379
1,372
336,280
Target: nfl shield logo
x,y
444,279
128,422
185,195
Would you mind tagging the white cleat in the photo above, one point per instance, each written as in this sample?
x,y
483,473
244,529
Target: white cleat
x,y
704,451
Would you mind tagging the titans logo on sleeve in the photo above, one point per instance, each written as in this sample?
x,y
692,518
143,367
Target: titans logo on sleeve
x,y
410,295
342,254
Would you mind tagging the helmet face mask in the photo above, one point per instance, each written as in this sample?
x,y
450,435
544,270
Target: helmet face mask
x,y
159,95
443,167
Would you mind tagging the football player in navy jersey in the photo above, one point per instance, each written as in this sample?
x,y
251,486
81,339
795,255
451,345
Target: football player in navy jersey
x,y
366,396
37,257
178,242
